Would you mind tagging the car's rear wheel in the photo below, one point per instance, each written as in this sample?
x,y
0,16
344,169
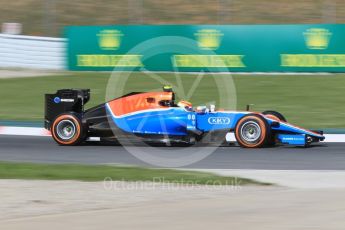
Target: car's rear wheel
x,y
67,130
252,131
274,115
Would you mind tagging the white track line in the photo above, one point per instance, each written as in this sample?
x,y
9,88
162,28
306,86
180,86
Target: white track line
x,y
23,131
335,138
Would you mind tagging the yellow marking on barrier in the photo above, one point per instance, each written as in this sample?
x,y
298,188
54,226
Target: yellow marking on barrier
x,y
100,60
209,61
312,60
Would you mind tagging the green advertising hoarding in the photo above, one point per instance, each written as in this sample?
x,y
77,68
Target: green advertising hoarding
x,y
235,48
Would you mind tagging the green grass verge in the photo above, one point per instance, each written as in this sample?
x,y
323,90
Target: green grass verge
x,y
309,101
35,171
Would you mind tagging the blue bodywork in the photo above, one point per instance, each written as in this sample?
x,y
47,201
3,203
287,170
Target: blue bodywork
x,y
292,139
176,121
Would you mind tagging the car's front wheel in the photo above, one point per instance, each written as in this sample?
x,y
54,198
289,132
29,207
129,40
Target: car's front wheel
x,y
67,130
252,131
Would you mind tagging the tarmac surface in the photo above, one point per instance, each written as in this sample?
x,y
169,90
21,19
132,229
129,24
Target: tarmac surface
x,y
325,156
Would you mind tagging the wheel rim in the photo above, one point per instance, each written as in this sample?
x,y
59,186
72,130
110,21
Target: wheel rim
x,y
65,129
251,132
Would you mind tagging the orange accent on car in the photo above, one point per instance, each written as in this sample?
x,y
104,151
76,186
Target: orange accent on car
x,y
306,130
184,103
270,116
78,130
138,102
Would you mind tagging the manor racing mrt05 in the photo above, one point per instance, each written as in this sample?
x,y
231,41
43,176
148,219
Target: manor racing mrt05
x,y
155,117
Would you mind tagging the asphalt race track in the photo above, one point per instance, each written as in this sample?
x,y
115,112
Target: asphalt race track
x,y
326,156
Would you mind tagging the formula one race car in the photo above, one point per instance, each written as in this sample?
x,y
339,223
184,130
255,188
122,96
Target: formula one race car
x,y
155,117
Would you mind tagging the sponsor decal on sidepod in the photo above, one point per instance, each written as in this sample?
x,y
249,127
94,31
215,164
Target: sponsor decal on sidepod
x,y
219,120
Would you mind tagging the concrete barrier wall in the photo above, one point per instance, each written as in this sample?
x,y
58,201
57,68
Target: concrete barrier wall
x,y
17,51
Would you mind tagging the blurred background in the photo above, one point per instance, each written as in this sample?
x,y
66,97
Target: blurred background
x,y
36,64
48,17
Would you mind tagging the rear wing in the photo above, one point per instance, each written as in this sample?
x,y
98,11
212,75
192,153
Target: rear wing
x,y
64,100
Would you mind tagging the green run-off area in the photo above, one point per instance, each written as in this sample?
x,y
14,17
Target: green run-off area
x,y
312,101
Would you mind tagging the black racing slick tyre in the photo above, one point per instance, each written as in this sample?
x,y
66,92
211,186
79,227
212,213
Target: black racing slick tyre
x,y
67,129
252,131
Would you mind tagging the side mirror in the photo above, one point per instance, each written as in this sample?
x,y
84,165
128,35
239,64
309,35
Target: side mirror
x,y
248,107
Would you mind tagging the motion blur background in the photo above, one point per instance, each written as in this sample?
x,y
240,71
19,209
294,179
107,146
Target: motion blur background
x,y
48,17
